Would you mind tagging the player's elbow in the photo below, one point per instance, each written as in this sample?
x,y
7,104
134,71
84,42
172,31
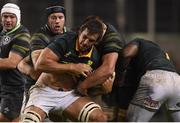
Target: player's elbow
x,y
20,66
109,70
39,65
13,66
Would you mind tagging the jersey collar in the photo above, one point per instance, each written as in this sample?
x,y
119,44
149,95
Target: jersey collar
x,y
84,55
13,30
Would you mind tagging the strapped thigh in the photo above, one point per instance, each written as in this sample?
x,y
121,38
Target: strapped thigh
x,y
87,110
31,116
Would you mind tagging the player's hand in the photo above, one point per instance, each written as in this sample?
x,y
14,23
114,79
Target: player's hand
x,y
107,85
81,69
80,90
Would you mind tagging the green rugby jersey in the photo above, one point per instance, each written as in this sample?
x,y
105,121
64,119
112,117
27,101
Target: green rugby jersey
x,y
42,38
39,40
65,48
149,57
112,41
16,41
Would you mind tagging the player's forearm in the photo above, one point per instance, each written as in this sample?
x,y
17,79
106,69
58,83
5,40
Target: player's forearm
x,y
5,63
47,61
35,54
98,76
52,67
24,68
28,70
103,72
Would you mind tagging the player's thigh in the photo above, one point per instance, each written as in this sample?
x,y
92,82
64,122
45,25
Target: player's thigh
x,y
139,114
33,113
11,101
83,109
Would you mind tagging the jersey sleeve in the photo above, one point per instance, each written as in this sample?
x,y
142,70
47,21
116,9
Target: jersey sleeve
x,y
109,46
39,41
58,46
111,42
21,44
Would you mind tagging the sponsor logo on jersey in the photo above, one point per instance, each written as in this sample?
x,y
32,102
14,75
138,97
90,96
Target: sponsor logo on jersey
x,y
150,103
6,40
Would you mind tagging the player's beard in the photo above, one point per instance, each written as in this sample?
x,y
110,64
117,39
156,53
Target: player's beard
x,y
84,49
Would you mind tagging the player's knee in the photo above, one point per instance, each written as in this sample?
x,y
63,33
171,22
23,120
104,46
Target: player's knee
x,y
31,116
99,117
56,115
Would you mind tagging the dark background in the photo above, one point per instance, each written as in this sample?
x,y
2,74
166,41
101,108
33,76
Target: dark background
x,y
135,13
157,20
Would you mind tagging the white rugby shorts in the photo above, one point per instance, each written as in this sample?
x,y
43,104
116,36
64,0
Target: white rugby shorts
x,y
47,98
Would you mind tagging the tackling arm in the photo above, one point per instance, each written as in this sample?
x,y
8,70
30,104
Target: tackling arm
x,y
24,67
101,74
11,62
48,61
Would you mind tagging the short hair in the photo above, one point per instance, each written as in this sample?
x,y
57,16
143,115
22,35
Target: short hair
x,y
92,17
94,26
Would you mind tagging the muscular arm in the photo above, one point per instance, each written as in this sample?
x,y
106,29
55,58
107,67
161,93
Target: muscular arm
x,y
108,67
102,73
24,67
11,62
35,55
48,62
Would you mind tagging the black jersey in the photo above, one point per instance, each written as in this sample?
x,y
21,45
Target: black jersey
x,y
65,48
39,40
14,41
42,38
112,41
149,57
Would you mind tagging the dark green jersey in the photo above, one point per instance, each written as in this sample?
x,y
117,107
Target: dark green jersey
x,y
16,41
149,57
42,38
65,48
112,41
39,40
